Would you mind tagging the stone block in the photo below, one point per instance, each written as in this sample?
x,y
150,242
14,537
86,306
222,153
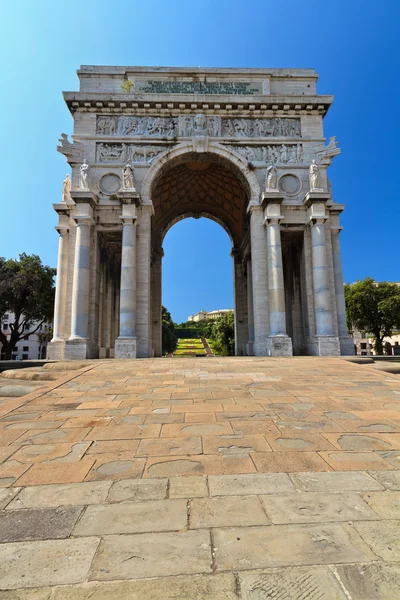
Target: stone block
x,y
291,584
229,511
76,350
188,487
189,587
233,485
389,479
383,537
243,548
43,563
6,495
327,345
279,345
38,524
310,507
370,582
137,490
152,555
125,348
133,517
48,496
385,504
334,482
56,350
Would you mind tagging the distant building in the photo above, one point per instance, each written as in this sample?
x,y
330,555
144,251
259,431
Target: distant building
x,y
32,346
203,315
364,343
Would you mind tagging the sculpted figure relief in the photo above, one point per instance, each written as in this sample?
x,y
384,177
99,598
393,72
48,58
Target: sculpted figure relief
x,y
272,154
84,176
128,182
66,189
315,183
132,153
272,178
185,125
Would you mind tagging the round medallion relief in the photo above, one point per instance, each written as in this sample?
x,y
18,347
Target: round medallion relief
x,y
290,184
110,184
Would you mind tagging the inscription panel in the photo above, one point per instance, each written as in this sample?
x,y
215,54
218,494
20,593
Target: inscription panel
x,y
162,86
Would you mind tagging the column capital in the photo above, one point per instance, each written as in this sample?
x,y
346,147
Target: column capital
x,y
273,220
128,220
317,221
61,229
83,220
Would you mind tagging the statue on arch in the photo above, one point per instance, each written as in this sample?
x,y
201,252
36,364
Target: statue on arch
x,y
315,180
128,181
84,176
272,178
66,189
200,125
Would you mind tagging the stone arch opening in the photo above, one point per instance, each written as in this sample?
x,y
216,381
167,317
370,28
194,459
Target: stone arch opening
x,y
198,185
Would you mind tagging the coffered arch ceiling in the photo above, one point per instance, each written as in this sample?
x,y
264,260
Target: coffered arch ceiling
x,y
200,185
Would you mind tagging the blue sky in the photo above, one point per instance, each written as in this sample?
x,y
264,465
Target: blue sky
x,y
351,44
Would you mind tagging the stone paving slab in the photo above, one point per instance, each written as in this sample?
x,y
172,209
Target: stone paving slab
x,y
257,547
152,555
51,562
182,470
38,523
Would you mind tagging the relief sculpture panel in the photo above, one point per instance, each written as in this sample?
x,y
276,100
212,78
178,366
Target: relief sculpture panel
x,y
284,154
123,153
186,126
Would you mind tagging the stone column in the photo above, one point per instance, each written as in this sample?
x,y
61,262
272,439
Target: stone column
x,y
259,273
279,343
56,347
125,344
78,341
240,312
156,299
62,267
328,343
143,315
346,343
250,310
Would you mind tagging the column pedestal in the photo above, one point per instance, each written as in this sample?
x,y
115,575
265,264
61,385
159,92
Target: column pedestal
x,y
328,345
279,345
77,349
125,347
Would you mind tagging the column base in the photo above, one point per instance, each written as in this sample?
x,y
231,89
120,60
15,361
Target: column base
x,y
125,348
56,350
327,345
346,345
279,345
250,348
76,349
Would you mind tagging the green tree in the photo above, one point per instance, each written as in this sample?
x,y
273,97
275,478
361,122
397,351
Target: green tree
x,y
169,339
222,332
373,307
27,290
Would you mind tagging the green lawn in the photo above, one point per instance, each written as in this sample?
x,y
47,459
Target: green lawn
x,y
189,347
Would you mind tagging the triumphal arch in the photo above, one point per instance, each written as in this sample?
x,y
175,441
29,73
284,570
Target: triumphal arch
x,y
244,147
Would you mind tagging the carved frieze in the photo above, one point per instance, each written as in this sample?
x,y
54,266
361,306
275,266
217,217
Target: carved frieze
x,y
284,154
133,125
188,125
124,153
275,127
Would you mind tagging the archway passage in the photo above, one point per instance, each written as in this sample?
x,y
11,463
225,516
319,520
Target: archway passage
x,y
202,185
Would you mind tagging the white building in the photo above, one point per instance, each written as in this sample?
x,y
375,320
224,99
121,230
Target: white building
x,y
32,346
364,343
203,315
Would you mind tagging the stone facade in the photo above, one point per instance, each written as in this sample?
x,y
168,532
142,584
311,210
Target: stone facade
x,y
244,147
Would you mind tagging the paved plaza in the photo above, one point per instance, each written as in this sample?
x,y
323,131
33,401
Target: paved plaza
x,y
217,478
